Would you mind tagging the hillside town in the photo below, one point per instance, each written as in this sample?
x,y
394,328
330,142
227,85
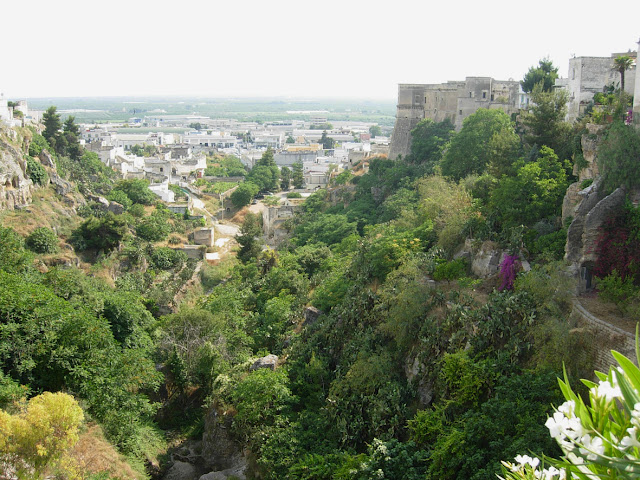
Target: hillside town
x,y
319,296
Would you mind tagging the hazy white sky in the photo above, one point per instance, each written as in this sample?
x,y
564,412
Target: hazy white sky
x,y
297,48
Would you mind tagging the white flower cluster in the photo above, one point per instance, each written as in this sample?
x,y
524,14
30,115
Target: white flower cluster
x,y
551,473
631,440
565,427
606,390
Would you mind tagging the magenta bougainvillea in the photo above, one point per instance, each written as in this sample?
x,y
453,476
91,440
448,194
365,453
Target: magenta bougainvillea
x,y
508,270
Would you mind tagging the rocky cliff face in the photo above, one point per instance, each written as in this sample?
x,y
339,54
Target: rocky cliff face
x,y
588,209
15,188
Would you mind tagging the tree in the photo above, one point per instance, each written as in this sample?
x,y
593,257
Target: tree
x,y
619,157
153,228
70,126
13,256
52,126
375,131
297,177
545,73
250,231
285,178
327,142
536,192
137,191
290,139
243,195
622,64
545,123
72,144
101,233
428,140
37,437
471,150
265,173
267,158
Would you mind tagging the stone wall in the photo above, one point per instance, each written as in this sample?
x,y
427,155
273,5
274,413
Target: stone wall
x,y
609,337
203,236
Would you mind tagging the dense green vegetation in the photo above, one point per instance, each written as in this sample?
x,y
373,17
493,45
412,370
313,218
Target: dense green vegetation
x,y
407,367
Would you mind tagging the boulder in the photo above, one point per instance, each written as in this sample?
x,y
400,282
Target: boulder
x,y
46,159
181,471
596,217
98,200
311,315
60,184
116,208
270,361
486,261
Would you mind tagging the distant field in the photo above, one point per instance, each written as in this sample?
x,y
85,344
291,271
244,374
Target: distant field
x,y
120,109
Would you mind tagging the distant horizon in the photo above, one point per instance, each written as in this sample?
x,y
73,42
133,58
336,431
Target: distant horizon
x,y
302,98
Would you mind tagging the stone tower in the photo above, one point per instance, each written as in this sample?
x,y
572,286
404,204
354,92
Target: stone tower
x,y
410,112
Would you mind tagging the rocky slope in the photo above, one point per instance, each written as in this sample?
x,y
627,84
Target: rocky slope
x,y
15,188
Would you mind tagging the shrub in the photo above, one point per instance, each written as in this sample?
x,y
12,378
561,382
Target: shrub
x,y
450,270
614,288
153,229
38,143
165,258
586,183
36,172
120,197
137,190
294,195
42,240
137,210
102,233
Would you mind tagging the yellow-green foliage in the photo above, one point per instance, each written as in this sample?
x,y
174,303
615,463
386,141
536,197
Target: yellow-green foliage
x,y
37,437
448,205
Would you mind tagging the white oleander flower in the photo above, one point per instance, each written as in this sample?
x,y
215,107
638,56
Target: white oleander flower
x,y
607,391
592,447
527,460
631,440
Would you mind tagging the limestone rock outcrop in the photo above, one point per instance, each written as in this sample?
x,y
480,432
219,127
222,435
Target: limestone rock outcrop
x,y
270,361
589,214
16,189
181,471
220,452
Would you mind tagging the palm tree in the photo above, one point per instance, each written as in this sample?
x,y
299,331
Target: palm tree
x,y
622,64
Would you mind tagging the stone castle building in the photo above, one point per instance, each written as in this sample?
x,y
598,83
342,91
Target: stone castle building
x,y
459,99
454,100
590,75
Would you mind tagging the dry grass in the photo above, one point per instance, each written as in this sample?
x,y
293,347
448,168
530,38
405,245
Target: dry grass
x,y
94,454
238,218
607,312
46,210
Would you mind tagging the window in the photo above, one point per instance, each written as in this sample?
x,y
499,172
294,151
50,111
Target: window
x,y
484,94
460,112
